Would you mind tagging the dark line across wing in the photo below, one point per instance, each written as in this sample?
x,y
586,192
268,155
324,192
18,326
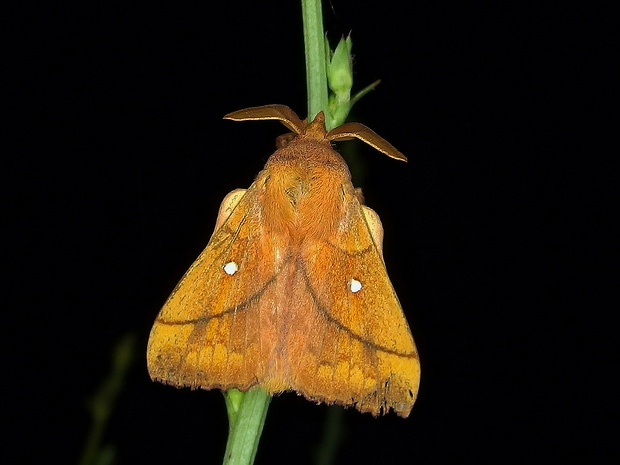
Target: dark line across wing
x,y
354,253
343,327
241,306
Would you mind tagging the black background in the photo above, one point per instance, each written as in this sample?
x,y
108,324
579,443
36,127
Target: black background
x,y
496,230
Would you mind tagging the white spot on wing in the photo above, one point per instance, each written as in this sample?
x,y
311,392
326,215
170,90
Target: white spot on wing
x,y
231,268
354,285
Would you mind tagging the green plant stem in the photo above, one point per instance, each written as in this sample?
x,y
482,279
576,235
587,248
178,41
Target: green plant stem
x,y
246,414
314,44
247,410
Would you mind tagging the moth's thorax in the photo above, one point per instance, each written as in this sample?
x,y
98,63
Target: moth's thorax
x,y
303,178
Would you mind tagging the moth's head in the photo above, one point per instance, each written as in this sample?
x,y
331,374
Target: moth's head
x,y
316,129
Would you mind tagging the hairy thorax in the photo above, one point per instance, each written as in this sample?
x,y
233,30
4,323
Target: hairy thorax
x,y
304,189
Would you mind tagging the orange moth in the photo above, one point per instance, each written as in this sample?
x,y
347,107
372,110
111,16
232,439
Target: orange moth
x,y
291,292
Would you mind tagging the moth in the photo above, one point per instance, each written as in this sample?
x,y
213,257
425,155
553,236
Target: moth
x,y
291,292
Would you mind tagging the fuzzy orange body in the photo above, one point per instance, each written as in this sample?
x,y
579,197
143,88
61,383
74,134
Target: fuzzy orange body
x,y
291,292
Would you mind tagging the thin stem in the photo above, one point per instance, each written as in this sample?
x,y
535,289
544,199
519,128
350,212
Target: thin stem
x,y
246,413
314,44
